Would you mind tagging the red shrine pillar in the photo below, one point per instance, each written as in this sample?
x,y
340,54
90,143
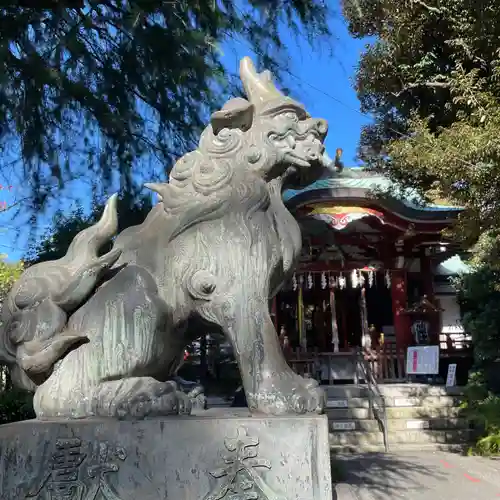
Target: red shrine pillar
x,y
399,303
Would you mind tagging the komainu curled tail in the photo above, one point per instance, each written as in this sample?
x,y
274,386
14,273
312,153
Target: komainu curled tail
x,y
33,336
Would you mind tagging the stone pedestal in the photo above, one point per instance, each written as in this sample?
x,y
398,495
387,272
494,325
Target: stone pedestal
x,y
213,456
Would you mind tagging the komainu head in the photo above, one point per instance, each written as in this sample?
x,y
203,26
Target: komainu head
x,y
279,135
267,136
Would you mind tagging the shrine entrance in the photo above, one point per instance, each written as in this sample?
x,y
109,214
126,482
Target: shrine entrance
x,y
361,304
317,320
349,319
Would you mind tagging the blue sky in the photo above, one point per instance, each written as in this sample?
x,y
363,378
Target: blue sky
x,y
322,81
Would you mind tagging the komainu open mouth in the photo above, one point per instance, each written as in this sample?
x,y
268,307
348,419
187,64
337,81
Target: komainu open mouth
x,y
302,164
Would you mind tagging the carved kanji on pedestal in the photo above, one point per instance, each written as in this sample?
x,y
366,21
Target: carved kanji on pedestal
x,y
75,475
237,477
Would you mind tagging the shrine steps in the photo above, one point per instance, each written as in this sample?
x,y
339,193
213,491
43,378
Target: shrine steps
x,y
397,425
418,416
391,390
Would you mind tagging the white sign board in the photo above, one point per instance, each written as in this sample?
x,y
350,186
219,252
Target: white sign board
x,y
337,403
451,378
344,426
403,402
417,424
422,360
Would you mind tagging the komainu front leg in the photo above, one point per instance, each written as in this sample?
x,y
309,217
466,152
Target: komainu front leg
x,y
271,386
194,391
287,393
139,397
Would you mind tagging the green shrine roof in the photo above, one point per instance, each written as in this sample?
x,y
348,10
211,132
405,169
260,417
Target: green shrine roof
x,y
361,183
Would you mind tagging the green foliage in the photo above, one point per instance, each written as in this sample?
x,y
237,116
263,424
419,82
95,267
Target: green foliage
x,y
8,275
479,296
490,444
431,81
124,86
482,408
15,405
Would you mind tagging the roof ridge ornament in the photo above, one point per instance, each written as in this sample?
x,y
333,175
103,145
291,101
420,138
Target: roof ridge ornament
x,y
338,163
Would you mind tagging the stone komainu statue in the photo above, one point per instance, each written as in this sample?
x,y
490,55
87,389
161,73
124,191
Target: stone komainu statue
x,y
103,335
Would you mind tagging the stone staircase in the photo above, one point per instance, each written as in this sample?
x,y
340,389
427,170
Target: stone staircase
x,y
418,416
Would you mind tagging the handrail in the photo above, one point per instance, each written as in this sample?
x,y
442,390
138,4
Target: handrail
x,y
375,394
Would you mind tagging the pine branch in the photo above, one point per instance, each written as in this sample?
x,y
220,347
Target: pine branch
x,y
431,85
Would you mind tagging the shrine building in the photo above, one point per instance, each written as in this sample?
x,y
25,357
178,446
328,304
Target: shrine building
x,y
373,277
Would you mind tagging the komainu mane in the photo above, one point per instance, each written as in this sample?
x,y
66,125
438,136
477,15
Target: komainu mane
x,y
103,335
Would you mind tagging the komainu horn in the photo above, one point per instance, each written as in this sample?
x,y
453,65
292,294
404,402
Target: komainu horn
x,y
103,335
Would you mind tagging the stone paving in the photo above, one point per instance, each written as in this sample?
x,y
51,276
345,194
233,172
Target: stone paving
x,y
418,475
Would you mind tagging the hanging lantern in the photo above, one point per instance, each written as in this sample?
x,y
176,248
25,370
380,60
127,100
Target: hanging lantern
x,y
294,282
342,281
371,278
332,281
354,279
387,278
310,281
301,281
323,280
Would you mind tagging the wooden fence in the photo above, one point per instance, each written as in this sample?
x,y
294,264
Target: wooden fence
x,y
387,363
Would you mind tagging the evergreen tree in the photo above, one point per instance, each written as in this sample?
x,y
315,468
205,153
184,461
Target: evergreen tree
x,y
106,89
431,81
